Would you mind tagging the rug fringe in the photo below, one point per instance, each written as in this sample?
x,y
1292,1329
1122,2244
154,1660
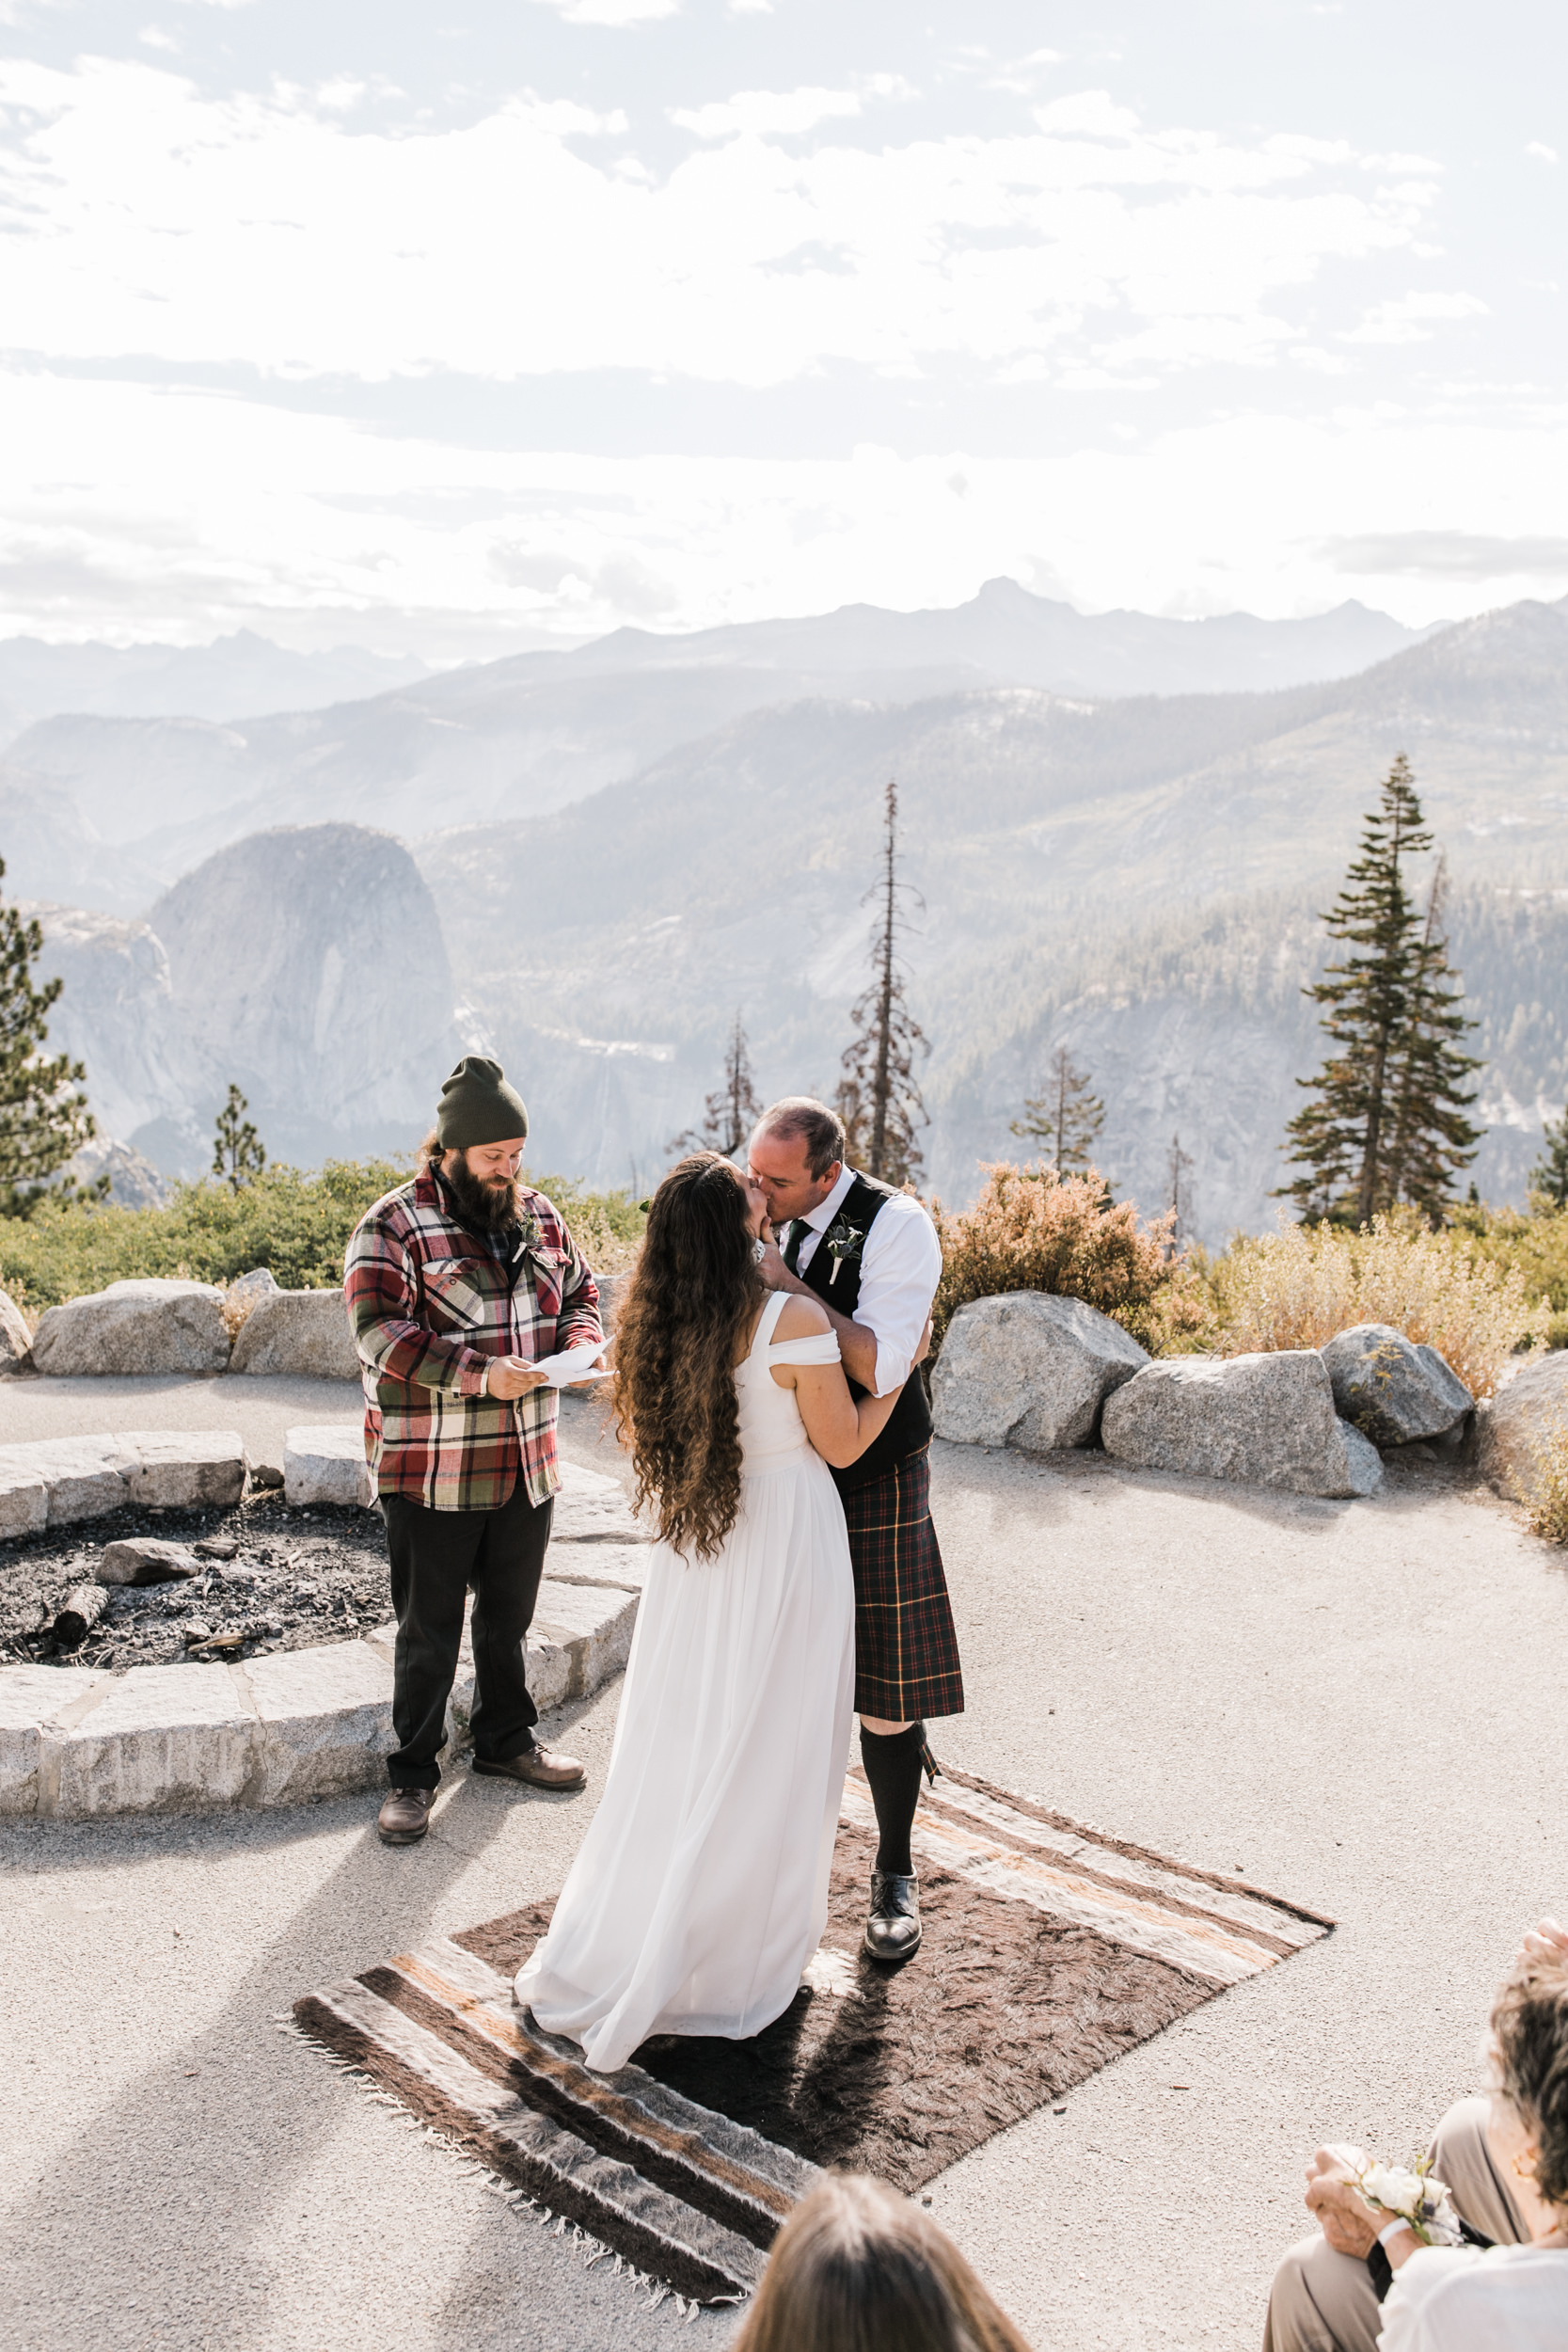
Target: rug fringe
x,y
499,2185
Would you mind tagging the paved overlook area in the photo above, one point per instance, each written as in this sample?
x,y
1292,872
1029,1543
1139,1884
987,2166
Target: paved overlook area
x,y
1356,1704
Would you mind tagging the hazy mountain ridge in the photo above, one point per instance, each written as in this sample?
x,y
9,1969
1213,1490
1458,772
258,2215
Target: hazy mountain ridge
x,y
233,677
522,735
1029,640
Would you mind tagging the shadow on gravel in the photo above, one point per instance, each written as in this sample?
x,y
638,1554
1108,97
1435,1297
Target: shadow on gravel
x,y
1040,1489
187,2164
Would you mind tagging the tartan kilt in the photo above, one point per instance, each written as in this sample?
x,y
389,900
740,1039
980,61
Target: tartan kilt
x,y
906,1650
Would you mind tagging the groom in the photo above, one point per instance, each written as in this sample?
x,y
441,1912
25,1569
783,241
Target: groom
x,y
871,1257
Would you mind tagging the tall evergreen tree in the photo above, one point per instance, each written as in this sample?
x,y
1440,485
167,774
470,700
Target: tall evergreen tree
x,y
1389,1121
1433,1137
43,1114
732,1110
239,1154
877,1096
1064,1116
1549,1176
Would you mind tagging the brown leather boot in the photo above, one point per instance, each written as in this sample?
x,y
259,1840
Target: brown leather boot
x,y
404,1816
540,1767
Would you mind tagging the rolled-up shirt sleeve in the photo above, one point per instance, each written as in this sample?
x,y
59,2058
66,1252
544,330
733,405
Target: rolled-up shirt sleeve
x,y
899,1272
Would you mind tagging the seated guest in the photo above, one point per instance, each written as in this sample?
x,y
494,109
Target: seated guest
x,y
1369,2282
857,2268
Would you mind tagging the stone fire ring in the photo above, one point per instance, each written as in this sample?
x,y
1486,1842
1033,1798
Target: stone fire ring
x,y
76,1742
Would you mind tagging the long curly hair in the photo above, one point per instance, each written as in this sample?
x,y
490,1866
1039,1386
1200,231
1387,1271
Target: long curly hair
x,y
694,1293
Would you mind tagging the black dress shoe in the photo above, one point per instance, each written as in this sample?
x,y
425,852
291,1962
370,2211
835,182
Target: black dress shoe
x,y
893,1932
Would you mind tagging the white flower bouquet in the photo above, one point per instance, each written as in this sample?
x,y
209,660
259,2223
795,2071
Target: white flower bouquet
x,y
1416,2196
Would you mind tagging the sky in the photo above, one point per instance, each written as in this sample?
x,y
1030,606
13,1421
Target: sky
x,y
453,329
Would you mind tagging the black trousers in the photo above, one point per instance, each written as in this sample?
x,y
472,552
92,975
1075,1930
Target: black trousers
x,y
436,1556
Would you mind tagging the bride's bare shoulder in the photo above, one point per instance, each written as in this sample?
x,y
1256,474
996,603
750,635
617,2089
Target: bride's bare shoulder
x,y
801,1319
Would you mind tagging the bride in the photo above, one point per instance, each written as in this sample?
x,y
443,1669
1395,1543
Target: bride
x,y
700,1889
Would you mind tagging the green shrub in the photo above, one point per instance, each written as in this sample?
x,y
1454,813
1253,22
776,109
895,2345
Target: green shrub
x,y
293,1221
1537,1245
1033,1230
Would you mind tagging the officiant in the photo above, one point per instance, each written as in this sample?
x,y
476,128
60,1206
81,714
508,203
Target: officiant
x,y
457,1284
871,1257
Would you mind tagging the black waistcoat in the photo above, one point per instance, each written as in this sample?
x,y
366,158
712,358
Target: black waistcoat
x,y
910,1425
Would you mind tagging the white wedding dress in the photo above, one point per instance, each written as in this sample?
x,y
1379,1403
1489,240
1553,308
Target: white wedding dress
x,y
700,1889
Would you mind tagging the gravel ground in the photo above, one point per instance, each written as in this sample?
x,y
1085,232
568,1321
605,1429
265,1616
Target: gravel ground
x,y
298,1578
1356,1705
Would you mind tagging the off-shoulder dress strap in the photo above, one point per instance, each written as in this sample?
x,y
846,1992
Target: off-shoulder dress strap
x,y
762,1337
817,1347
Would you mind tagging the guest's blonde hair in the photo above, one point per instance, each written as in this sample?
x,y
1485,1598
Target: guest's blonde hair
x,y
857,2268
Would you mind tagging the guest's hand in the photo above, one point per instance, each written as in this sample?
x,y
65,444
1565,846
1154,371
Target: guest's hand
x,y
1347,2222
1546,1940
510,1376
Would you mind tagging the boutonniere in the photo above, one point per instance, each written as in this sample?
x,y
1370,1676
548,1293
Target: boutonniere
x,y
843,1243
530,1232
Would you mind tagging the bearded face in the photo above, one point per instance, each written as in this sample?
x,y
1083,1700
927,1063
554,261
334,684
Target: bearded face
x,y
490,1204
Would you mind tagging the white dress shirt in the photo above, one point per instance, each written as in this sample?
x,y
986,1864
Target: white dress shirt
x,y
1512,2299
900,1268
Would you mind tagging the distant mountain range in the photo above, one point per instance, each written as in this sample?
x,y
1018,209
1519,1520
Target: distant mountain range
x,y
618,847
233,677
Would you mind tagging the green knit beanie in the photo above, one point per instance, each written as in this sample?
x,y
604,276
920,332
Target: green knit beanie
x,y
478,1107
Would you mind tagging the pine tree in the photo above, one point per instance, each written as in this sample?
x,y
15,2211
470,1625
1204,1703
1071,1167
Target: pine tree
x,y
1549,1176
877,1096
1389,1121
239,1155
732,1111
43,1115
1066,1116
1432,1136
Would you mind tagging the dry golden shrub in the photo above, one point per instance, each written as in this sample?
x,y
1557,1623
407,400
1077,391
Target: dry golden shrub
x,y
237,1309
1548,1502
1031,1230
1298,1287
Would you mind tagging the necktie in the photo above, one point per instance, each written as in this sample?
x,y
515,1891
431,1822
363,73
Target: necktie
x,y
798,1232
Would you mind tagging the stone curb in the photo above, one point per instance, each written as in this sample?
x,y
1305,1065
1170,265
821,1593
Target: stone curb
x,y
53,1481
76,1743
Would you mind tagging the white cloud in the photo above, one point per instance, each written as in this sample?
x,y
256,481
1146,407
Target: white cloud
x,y
152,220
1410,318
1541,151
135,512
765,113
614,12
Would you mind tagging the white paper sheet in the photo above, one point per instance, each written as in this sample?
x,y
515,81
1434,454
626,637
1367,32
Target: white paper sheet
x,y
572,1364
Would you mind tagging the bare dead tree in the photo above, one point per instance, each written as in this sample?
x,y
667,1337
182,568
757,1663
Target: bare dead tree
x,y
732,1110
878,1095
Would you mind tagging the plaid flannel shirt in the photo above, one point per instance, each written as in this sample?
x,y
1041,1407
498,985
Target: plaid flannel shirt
x,y
430,1304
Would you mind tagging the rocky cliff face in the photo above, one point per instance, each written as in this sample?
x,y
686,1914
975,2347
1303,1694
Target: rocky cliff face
x,y
305,965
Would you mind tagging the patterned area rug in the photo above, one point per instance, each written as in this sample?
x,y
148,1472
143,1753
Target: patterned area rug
x,y
1048,1949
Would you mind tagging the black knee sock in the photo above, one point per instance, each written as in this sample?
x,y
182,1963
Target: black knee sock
x,y
892,1762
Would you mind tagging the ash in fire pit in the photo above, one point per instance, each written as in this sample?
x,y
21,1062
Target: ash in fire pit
x,y
266,1577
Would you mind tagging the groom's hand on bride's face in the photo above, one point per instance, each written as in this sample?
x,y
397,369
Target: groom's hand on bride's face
x,y
775,1274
